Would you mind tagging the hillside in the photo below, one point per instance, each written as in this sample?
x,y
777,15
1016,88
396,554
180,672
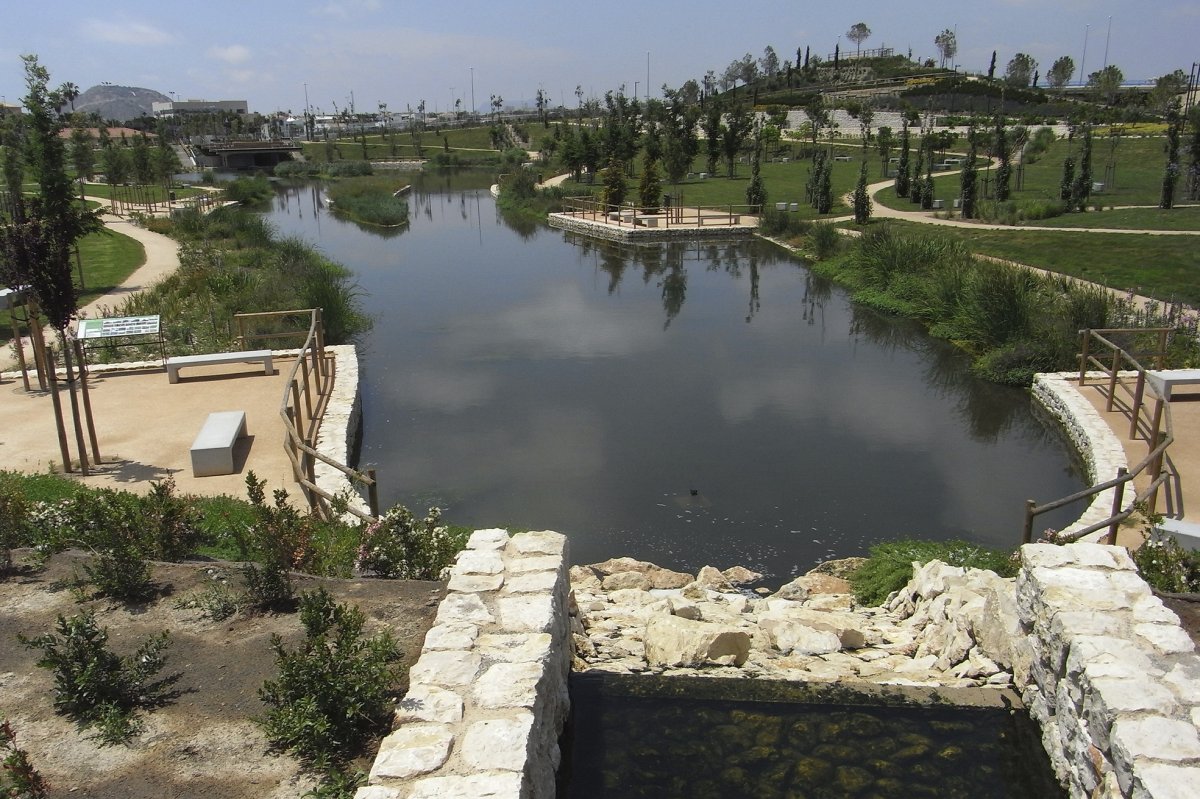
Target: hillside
x,y
121,103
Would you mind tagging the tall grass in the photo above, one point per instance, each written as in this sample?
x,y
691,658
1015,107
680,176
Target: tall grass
x,y
1014,321
370,200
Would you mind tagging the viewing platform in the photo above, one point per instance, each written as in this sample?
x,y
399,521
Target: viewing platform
x,y
626,222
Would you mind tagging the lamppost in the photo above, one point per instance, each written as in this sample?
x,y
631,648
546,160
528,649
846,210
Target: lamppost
x,y
1083,61
472,92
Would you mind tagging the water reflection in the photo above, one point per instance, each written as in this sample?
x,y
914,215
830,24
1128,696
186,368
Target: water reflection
x,y
549,381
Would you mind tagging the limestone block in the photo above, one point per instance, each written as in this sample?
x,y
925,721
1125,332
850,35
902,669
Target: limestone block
x,y
537,563
533,582
430,703
657,576
808,585
1079,554
378,792
1088,649
515,647
846,626
790,636
508,685
1152,610
582,577
474,583
489,785
1151,738
934,578
463,608
624,580
411,750
631,596
711,577
455,635
673,641
1169,639
1163,781
527,613
542,542
478,561
449,668
842,602
683,608
1184,680
488,539
740,575
498,744
1107,698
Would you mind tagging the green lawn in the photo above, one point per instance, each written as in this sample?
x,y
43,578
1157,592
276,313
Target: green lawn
x,y
108,258
153,193
1165,267
1178,218
783,182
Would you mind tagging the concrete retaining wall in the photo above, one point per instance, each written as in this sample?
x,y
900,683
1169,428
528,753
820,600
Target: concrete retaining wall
x,y
488,698
339,426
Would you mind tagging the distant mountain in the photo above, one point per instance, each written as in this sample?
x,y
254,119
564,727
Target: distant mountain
x,y
121,103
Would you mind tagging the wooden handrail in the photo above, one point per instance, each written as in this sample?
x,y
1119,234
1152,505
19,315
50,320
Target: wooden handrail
x,y
311,371
1160,431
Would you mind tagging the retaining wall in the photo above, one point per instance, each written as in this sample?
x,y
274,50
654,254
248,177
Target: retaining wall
x,y
488,698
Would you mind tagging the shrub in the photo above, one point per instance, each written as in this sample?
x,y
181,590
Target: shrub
x,y
18,778
96,687
334,692
825,240
246,190
890,565
1167,566
398,545
14,525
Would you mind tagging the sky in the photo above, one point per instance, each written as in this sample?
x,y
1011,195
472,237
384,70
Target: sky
x,y
273,53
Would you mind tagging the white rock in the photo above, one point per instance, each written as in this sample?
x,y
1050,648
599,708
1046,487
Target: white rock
x,y
1163,781
377,792
455,635
479,561
1169,639
671,641
490,785
684,608
488,539
532,613
449,668
463,608
474,583
508,685
430,703
542,582
499,744
411,750
711,577
793,637
537,563
542,542
1154,738
515,647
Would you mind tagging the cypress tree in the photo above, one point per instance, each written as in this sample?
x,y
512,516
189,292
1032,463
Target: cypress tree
x,y
1004,170
862,200
1081,189
902,184
969,177
1171,173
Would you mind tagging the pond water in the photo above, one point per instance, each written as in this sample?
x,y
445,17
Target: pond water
x,y
688,404
645,736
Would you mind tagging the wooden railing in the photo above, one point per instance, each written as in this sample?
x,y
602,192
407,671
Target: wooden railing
x,y
305,396
638,216
1156,428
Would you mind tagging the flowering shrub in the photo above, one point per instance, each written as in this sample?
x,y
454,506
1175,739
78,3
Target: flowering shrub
x,y
1167,566
398,545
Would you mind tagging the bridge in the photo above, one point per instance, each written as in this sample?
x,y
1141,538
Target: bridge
x,y
245,154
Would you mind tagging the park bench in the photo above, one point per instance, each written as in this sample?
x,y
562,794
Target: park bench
x,y
177,362
212,451
1186,533
649,220
842,158
1164,381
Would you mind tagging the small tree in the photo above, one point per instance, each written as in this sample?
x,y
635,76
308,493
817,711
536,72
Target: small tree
x,y
992,67
614,184
1020,70
1107,82
862,199
825,187
947,45
968,180
1081,189
885,140
1004,169
902,182
1172,170
858,33
650,188
1061,72
756,194
1068,180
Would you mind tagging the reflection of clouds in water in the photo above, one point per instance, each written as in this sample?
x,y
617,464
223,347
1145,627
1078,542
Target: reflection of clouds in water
x,y
449,391
560,323
553,451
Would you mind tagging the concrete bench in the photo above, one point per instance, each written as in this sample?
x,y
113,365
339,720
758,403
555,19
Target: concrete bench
x,y
212,451
1186,533
842,158
649,220
177,362
1164,381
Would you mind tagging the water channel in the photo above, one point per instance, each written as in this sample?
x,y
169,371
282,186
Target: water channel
x,y
688,404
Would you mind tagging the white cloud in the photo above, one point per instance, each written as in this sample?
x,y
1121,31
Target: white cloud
x,y
233,54
125,32
346,8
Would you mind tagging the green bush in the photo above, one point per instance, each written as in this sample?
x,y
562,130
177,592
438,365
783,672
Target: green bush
x,y
890,565
335,691
14,525
247,190
825,239
371,201
398,545
1167,566
96,687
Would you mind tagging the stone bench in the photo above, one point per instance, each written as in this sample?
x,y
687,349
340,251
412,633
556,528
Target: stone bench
x,y
842,158
1163,382
1186,533
649,220
177,362
212,451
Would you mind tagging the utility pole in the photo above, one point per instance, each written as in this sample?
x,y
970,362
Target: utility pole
x,y
1083,61
472,92
1107,37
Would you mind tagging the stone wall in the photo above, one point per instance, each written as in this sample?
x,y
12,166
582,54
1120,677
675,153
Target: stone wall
x,y
339,426
1096,443
602,230
1114,680
487,699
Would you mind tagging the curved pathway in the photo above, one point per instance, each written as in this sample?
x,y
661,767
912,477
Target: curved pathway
x,y
162,258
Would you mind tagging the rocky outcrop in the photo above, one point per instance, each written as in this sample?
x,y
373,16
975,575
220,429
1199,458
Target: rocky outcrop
x,y
949,627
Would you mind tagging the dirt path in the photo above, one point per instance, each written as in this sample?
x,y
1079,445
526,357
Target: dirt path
x,y
162,258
